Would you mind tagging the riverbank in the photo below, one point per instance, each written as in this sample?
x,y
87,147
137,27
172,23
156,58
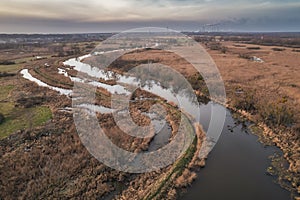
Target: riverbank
x,y
287,177
272,121
236,167
286,139
267,94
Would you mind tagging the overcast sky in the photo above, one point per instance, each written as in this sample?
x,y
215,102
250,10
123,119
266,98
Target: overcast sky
x,y
73,16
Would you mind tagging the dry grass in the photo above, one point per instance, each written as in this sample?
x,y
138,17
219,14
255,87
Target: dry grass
x,y
279,75
51,161
270,92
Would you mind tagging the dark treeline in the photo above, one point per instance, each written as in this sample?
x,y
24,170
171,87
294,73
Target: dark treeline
x,y
36,39
289,39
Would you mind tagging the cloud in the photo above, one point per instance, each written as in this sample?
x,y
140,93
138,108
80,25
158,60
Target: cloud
x,y
179,13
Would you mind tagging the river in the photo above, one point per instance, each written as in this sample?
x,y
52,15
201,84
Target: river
x,y
235,169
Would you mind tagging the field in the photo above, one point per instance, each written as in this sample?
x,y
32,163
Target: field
x,y
42,155
17,117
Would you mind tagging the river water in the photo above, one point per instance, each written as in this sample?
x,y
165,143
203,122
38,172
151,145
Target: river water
x,y
236,167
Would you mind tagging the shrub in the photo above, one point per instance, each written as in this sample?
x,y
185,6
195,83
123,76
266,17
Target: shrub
x,y
224,50
277,113
29,102
239,45
1,118
215,46
5,74
278,49
196,81
253,48
245,101
245,56
7,62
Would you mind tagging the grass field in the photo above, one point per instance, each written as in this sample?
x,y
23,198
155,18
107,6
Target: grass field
x,y
17,118
10,68
15,67
5,90
23,119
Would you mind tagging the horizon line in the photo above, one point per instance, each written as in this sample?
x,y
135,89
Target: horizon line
x,y
117,32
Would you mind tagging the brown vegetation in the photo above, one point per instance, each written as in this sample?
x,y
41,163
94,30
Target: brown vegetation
x,y
269,92
50,161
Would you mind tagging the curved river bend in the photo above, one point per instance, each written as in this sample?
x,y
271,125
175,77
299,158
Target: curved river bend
x,y
235,169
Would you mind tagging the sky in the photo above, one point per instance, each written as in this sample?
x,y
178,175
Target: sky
x,y
87,16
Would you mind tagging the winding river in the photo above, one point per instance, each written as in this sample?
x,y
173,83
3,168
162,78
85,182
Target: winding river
x,y
235,169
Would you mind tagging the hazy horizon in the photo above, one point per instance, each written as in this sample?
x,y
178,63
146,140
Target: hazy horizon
x,y
116,32
91,16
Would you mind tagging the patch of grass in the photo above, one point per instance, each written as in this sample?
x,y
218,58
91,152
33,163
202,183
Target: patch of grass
x,y
21,118
41,115
16,118
24,60
15,65
6,108
5,90
10,68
